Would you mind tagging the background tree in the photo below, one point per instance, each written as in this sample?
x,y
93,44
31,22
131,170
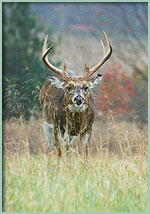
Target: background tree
x,y
23,70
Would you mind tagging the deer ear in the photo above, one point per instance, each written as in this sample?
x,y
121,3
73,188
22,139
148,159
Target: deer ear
x,y
55,81
94,81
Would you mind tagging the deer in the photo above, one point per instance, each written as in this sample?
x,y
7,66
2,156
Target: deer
x,y
67,101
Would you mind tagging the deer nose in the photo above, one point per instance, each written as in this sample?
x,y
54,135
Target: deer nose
x,y
78,100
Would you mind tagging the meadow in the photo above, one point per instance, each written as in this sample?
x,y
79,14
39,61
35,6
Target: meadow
x,y
113,178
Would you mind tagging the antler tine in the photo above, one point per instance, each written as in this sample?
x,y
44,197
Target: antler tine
x,y
104,50
65,66
45,52
106,56
86,71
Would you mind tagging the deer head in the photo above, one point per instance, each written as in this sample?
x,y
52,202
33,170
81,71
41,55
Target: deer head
x,y
76,88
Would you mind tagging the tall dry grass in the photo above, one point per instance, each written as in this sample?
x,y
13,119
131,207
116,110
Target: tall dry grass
x,y
113,178
110,136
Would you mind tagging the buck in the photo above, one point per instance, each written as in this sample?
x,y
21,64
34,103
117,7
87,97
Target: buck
x,y
67,102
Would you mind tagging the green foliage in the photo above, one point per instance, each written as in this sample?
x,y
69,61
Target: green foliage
x,y
140,102
23,70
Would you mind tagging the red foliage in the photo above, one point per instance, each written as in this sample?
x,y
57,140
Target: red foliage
x,y
116,92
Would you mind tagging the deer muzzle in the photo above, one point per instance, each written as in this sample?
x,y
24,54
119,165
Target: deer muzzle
x,y
78,100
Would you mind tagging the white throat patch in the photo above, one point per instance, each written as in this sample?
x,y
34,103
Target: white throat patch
x,y
74,108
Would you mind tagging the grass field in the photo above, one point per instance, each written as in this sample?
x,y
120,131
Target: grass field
x,y
113,178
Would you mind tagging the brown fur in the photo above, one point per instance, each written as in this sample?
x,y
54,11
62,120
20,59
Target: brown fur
x,y
54,102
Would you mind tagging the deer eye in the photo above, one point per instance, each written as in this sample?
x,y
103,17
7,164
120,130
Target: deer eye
x,y
70,88
85,88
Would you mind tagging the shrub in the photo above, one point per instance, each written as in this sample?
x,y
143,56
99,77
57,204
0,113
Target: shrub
x,y
116,92
23,70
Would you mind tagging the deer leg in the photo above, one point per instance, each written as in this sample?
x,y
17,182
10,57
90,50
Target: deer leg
x,y
57,140
49,135
87,150
59,151
86,142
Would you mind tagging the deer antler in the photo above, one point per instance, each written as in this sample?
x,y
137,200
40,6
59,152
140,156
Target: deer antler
x,y
90,72
45,51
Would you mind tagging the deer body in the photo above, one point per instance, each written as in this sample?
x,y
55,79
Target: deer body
x,y
67,103
63,117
